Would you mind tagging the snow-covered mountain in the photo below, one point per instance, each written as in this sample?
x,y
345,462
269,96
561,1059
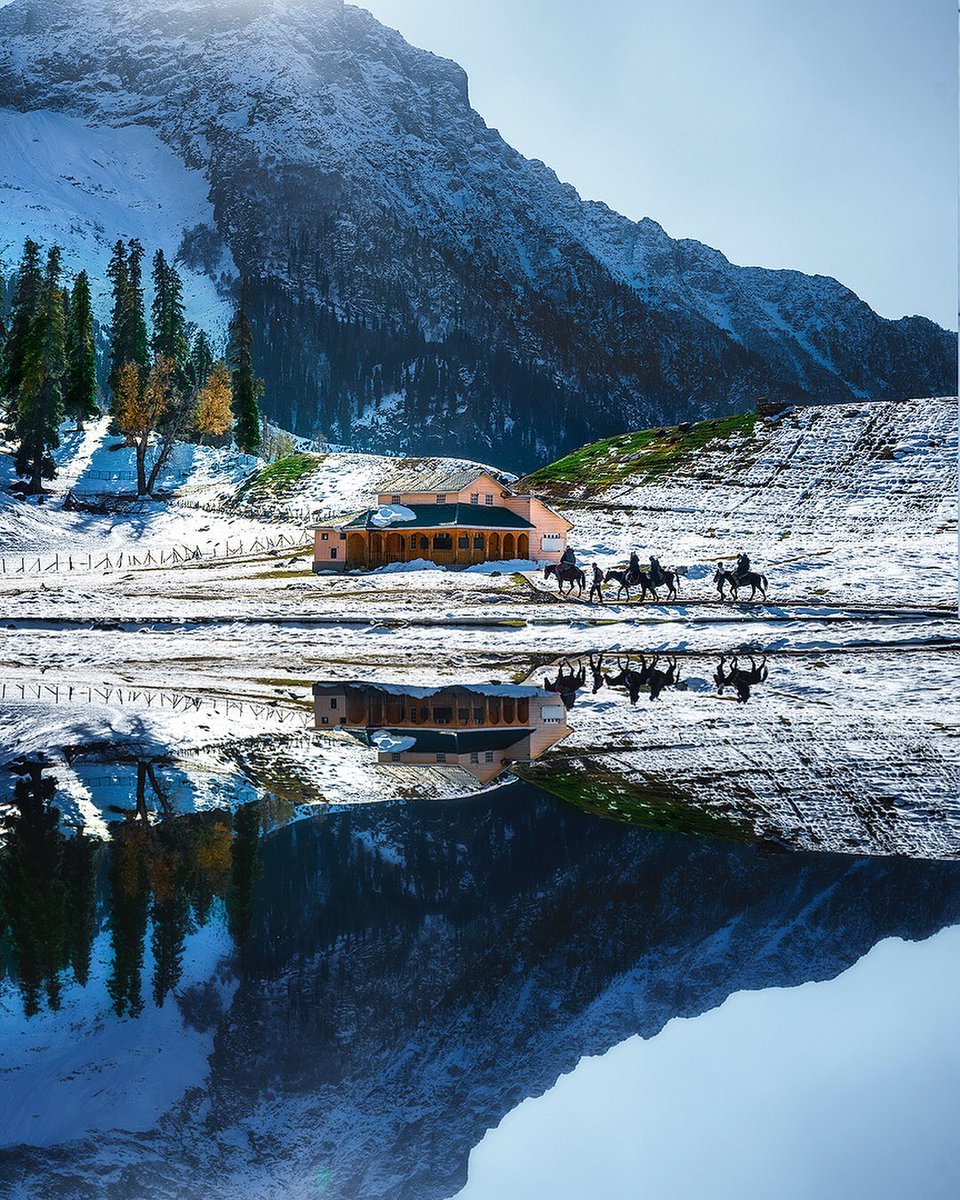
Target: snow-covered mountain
x,y
417,283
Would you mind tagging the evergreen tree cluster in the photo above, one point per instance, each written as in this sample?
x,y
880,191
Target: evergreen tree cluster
x,y
163,379
48,368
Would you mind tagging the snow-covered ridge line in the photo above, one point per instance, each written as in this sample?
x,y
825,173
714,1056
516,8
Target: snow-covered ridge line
x,y
487,291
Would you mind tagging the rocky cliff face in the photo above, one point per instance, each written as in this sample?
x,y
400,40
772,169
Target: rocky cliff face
x,y
418,284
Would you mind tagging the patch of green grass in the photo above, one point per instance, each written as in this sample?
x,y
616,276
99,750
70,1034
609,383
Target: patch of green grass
x,y
283,574
640,457
281,477
653,804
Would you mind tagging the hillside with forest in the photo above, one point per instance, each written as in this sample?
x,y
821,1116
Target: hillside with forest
x,y
415,284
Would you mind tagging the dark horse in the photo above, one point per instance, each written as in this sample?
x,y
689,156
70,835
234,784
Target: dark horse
x,y
752,579
567,683
739,678
669,579
625,581
566,573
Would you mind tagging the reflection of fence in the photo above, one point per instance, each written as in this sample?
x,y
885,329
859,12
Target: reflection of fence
x,y
168,556
153,698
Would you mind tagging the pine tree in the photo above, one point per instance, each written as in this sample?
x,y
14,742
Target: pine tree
x,y
169,325
40,397
80,391
139,348
118,275
26,300
200,361
246,388
128,333
214,412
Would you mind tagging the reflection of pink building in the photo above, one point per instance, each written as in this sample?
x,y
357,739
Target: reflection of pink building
x,y
452,518
480,730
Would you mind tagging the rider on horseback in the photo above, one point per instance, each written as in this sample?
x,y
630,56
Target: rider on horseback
x,y
656,572
633,570
568,558
743,565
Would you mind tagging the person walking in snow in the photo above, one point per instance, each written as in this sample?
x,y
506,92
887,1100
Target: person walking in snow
x,y
597,585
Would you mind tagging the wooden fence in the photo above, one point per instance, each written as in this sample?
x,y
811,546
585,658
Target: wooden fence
x,y
168,556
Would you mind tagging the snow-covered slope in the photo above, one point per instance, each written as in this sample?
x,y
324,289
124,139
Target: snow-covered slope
x,y
401,253
84,186
850,500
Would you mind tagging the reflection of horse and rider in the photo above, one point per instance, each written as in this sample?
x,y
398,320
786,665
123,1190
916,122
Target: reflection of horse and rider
x,y
649,579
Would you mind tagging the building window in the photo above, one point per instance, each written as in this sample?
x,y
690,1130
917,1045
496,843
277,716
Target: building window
x,y
442,541
343,537
413,541
488,757
463,715
442,716
333,702
441,757
333,552
478,714
464,543
474,497
441,498
324,537
488,499
424,544
395,758
478,541
394,499
474,757
324,721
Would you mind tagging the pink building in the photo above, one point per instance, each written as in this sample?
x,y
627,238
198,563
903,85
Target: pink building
x,y
452,518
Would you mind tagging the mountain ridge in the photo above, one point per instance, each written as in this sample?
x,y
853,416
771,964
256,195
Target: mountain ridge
x,y
400,251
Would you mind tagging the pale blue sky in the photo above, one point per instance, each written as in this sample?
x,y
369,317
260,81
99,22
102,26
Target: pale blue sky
x,y
815,134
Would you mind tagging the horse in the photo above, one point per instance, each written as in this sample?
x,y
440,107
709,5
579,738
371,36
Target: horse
x,y
658,679
566,685
627,678
672,581
722,577
756,581
739,678
622,579
753,579
566,573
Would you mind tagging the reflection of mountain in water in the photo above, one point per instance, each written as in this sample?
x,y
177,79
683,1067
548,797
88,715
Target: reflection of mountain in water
x,y
408,974
481,729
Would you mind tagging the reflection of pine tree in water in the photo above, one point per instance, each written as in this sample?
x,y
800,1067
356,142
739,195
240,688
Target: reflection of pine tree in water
x,y
163,879
245,860
79,872
46,882
170,877
129,887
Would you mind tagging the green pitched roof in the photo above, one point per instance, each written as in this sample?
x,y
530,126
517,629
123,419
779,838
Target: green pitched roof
x,y
445,516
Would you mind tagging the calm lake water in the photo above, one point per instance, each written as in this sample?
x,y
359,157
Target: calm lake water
x,y
213,1005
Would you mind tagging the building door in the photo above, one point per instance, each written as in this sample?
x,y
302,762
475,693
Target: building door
x,y
493,547
394,549
509,550
356,550
523,545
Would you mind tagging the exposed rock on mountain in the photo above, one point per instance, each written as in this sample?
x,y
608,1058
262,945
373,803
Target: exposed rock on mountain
x,y
416,283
